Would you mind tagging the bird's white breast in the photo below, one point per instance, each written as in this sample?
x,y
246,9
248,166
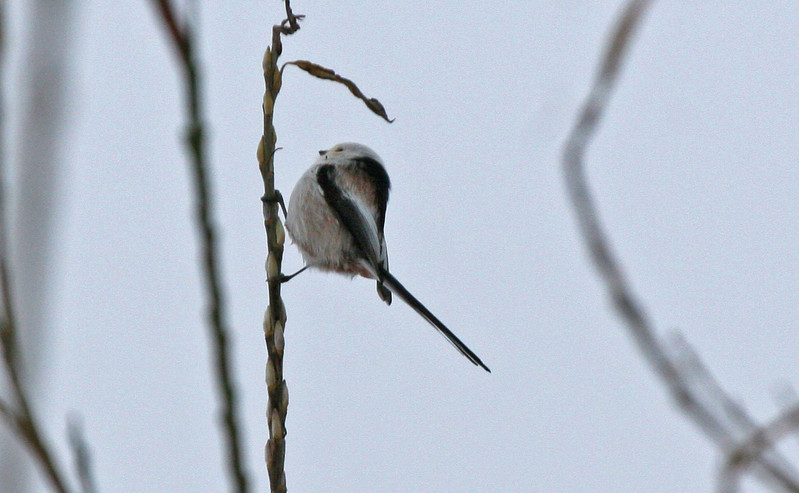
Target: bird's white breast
x,y
316,231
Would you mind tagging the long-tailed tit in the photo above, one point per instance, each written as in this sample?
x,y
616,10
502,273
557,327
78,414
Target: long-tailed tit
x,y
336,216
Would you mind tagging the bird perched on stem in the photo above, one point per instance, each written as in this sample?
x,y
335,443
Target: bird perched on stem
x,y
336,216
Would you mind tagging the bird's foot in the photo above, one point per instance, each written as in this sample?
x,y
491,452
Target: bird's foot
x,y
282,278
275,198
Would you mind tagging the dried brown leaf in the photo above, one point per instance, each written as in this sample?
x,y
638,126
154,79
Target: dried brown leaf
x,y
328,74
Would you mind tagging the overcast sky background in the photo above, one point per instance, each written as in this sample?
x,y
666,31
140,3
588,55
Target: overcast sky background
x,y
695,171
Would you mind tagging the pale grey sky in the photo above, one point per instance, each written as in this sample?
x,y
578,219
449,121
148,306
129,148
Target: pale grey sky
x,y
695,171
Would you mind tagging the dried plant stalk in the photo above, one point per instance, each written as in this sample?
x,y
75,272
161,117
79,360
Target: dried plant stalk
x,y
275,316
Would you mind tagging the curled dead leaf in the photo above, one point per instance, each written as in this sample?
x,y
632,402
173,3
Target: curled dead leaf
x,y
328,74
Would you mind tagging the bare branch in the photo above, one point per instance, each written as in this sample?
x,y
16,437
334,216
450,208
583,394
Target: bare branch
x,y
693,371
81,455
7,414
177,37
182,40
23,421
711,410
786,397
764,438
8,336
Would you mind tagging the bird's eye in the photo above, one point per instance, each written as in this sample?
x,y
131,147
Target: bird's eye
x,y
337,149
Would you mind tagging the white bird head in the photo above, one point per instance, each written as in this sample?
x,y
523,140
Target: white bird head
x,y
348,150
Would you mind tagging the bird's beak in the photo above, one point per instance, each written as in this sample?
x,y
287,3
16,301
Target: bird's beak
x,y
322,153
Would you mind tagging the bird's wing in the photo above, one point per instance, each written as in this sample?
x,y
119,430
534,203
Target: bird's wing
x,y
353,215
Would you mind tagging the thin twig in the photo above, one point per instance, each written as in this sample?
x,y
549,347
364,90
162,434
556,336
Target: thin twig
x,y
707,391
8,336
182,40
716,426
7,414
754,446
786,398
23,421
692,368
81,455
17,412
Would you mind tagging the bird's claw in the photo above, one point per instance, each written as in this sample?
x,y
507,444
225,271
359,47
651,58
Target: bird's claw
x,y
283,278
275,198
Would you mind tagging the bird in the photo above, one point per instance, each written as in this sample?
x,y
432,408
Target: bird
x,y
336,217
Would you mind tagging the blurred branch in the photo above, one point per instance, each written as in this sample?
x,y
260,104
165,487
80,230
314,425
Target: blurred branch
x,y
3,228
754,447
786,397
30,239
35,211
22,421
182,40
6,414
81,455
711,409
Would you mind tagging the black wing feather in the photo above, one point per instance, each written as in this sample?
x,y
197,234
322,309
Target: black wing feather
x,y
378,175
346,211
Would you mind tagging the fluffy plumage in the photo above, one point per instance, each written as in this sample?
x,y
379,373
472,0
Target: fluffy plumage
x,y
336,216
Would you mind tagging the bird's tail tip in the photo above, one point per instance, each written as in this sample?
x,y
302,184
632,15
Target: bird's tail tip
x,y
482,365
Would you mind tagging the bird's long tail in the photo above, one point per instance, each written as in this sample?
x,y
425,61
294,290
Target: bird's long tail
x,y
397,288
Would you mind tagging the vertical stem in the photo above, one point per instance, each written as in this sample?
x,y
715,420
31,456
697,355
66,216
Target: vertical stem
x,y
275,316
